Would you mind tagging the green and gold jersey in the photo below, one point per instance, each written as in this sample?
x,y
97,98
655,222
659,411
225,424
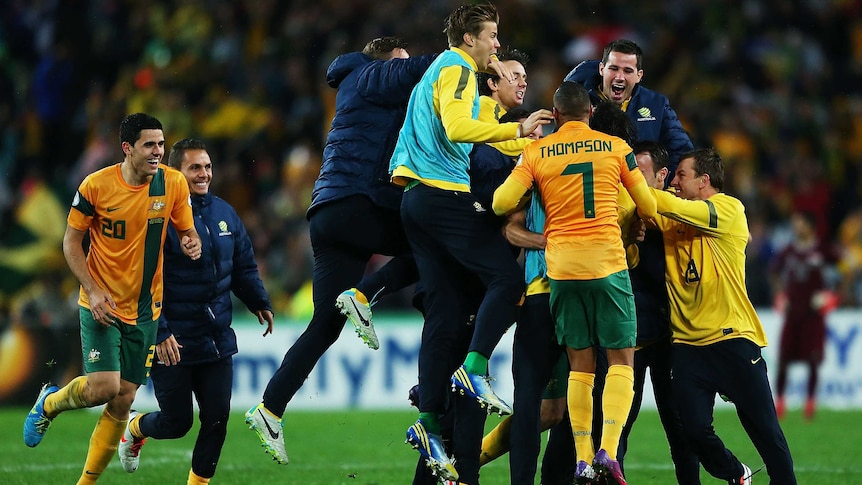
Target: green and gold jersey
x,y
578,172
127,226
704,244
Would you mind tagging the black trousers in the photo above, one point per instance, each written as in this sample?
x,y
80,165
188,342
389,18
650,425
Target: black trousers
x,y
736,369
463,420
344,236
174,386
535,352
657,357
445,228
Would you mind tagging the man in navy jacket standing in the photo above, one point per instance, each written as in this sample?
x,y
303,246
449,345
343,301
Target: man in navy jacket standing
x,y
354,214
195,342
617,78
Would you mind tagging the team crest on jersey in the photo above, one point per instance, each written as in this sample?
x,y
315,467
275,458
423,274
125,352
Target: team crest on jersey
x,y
223,230
157,206
646,114
478,207
94,356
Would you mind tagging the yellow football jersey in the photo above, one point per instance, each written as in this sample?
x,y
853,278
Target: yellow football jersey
x,y
127,226
578,173
704,244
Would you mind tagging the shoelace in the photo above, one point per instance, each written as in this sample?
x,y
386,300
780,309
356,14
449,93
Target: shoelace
x,y
488,379
373,299
755,472
42,424
136,446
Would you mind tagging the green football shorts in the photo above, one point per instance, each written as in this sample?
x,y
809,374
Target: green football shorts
x,y
120,347
600,311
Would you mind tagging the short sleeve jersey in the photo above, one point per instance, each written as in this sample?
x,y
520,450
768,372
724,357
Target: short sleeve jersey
x,y
127,226
578,172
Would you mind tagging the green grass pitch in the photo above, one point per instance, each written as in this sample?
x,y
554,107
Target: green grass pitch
x,y
367,448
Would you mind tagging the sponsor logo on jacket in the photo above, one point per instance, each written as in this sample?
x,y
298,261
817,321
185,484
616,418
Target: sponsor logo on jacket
x,y
646,114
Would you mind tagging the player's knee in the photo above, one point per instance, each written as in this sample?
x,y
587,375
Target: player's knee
x,y
214,420
176,427
100,393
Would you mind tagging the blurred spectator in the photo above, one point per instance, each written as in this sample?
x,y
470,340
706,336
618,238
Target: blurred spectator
x,y
803,295
757,81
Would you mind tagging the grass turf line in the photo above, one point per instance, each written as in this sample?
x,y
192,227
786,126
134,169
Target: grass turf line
x,y
367,448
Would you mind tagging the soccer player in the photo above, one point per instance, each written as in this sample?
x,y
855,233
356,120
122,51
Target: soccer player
x,y
540,367
653,337
578,171
444,222
489,167
800,271
353,215
717,335
125,209
617,78
195,341
497,97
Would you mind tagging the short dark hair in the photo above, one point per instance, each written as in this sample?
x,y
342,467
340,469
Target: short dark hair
x,y
132,125
609,118
572,100
515,115
468,19
624,46
506,55
178,150
382,47
707,161
656,152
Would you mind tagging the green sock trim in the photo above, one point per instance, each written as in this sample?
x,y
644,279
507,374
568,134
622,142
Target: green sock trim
x,y
431,422
476,363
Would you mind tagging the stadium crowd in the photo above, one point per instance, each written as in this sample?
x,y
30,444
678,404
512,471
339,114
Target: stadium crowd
x,y
774,86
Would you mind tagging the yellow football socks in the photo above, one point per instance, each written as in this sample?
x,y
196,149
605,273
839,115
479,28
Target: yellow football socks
x,y
103,446
497,442
616,404
70,396
195,479
135,426
579,398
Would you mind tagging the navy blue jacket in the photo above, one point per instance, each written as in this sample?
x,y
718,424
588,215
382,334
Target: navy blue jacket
x,y
197,303
650,112
648,286
489,168
369,111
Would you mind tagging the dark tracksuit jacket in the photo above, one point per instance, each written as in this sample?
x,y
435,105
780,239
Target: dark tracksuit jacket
x,y
650,112
198,307
369,110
